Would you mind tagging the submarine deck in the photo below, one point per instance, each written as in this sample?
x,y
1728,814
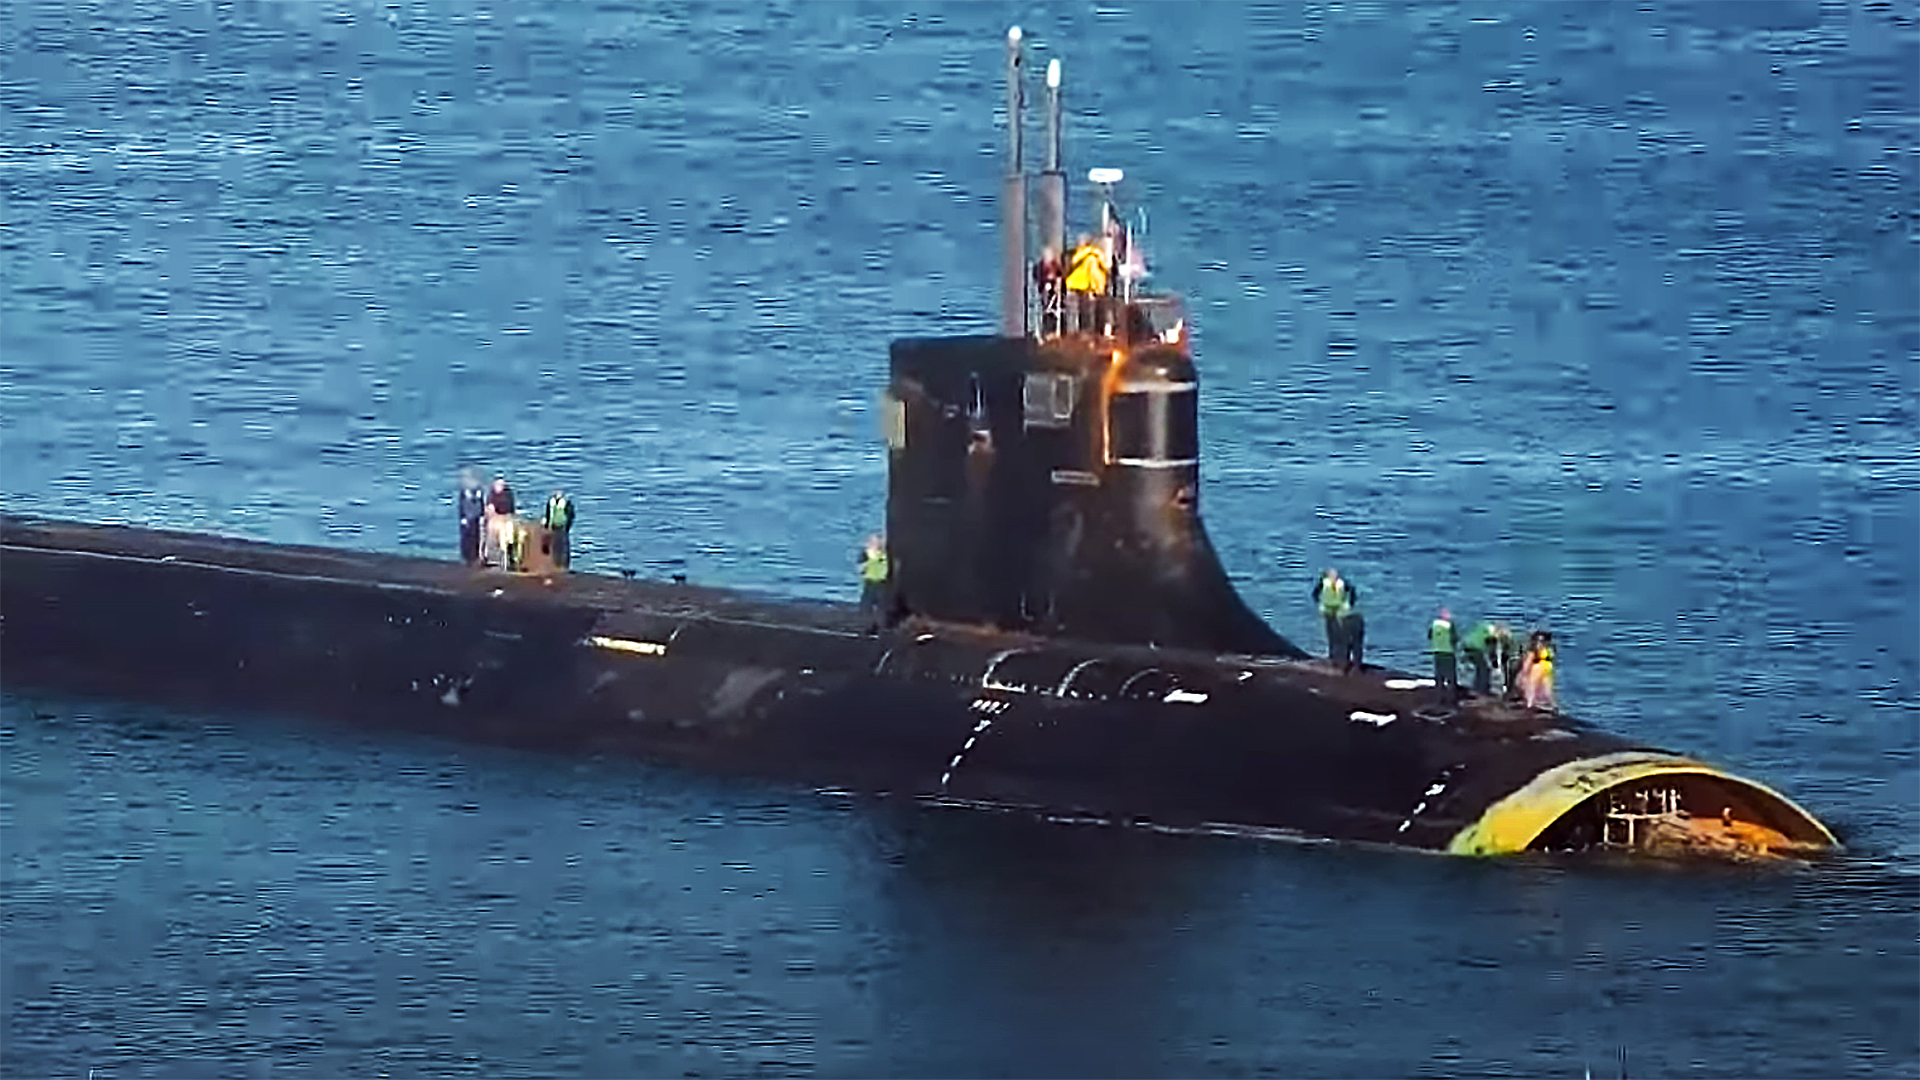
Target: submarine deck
x,y
1375,690
393,570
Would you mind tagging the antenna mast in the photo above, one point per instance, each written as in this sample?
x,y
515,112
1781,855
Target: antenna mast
x,y
1013,205
1053,182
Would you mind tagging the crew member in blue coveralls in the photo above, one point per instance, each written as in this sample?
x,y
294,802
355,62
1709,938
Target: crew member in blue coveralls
x,y
473,501
1334,596
559,522
1446,666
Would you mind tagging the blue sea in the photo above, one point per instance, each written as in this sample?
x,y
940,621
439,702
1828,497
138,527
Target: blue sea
x,y
1598,316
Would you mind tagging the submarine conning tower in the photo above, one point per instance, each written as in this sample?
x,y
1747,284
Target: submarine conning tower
x,y
1047,478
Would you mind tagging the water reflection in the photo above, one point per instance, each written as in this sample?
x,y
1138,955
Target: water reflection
x,y
1055,946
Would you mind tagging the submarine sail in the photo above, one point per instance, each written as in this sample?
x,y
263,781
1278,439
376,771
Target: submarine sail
x,y
1064,640
1050,480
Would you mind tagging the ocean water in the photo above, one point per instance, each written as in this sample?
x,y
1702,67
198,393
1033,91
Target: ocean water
x,y
1603,316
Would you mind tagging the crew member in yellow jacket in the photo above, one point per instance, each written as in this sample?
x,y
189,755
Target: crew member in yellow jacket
x,y
1087,280
1536,680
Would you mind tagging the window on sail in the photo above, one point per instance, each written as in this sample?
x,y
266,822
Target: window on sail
x,y
1048,398
1154,425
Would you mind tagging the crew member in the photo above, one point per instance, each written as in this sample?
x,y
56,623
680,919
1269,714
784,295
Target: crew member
x,y
1335,597
1446,667
500,524
1087,280
1047,278
1353,636
1483,649
874,573
558,519
1129,263
1537,682
472,502
1512,660
1113,243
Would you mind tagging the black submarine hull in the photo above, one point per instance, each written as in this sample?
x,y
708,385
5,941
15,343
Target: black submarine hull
x,y
801,691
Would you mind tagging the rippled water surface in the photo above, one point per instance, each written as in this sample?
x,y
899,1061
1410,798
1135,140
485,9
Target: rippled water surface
x,y
1602,315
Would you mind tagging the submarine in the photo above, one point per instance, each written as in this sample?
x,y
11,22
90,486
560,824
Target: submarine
x,y
1061,638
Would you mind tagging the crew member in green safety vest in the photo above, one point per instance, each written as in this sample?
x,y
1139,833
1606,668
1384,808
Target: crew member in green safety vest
x,y
1335,597
1485,645
1446,667
559,522
1512,656
874,576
